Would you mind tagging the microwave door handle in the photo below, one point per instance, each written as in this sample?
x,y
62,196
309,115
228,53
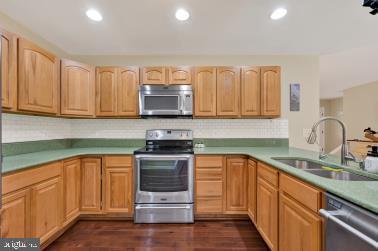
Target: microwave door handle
x,y
182,104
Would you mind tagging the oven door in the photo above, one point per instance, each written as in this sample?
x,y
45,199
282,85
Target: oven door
x,y
160,104
164,178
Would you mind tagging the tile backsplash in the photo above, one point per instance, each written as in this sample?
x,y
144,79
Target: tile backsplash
x,y
18,128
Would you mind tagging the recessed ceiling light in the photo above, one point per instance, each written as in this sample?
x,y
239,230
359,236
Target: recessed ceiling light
x,y
182,14
94,15
278,13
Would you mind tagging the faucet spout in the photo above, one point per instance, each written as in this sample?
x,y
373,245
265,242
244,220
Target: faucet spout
x,y
344,147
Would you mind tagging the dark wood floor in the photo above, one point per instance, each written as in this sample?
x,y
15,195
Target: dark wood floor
x,y
124,235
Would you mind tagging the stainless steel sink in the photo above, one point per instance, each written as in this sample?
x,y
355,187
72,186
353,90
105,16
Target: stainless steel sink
x,y
317,169
299,163
339,175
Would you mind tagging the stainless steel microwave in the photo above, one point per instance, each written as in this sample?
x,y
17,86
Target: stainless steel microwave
x,y
166,100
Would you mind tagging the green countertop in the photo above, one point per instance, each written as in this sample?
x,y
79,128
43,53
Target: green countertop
x,y
363,193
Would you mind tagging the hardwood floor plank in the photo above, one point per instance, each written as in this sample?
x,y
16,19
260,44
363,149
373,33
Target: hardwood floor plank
x,y
125,235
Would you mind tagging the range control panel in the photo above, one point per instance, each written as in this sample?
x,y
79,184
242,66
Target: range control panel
x,y
169,134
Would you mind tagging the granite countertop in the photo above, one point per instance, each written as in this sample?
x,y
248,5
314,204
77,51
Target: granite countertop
x,y
363,193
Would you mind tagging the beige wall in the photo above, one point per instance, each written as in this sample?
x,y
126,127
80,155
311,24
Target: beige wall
x,y
361,109
295,69
332,130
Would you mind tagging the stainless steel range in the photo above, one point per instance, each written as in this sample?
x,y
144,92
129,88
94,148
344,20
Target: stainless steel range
x,y
164,177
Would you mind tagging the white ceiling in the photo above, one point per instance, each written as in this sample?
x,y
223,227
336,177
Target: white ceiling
x,y
215,27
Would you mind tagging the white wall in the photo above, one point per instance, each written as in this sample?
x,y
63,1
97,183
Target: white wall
x,y
361,109
17,128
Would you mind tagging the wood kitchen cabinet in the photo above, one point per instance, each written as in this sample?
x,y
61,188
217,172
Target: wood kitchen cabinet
x,y
38,79
180,75
127,91
71,190
267,205
77,89
106,91
250,91
205,92
8,70
228,91
236,185
118,184
90,185
117,91
46,208
252,189
209,184
271,91
15,215
154,75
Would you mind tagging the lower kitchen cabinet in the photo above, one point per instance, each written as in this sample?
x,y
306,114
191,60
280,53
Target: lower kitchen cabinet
x,y
71,190
15,215
118,184
209,184
90,185
46,208
300,229
267,212
236,185
252,189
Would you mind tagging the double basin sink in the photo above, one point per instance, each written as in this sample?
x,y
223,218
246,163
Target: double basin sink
x,y
321,170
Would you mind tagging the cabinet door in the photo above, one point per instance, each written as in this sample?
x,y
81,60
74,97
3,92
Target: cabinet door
x,y
118,185
106,91
154,76
252,187
91,184
77,88
300,229
118,190
15,215
267,213
71,190
8,70
205,92
250,91
46,208
38,79
181,75
236,185
271,91
127,91
228,91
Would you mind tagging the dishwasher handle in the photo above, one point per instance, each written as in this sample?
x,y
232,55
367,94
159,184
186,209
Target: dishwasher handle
x,y
331,216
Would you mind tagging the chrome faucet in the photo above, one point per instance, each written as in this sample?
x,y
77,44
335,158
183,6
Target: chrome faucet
x,y
345,154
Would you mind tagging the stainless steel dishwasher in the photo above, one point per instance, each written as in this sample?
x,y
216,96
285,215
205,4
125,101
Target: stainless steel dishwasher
x,y
349,227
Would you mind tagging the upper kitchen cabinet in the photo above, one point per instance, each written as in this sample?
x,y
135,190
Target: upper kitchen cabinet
x,y
77,89
106,91
205,92
271,91
127,91
154,75
181,75
228,91
8,70
38,79
250,91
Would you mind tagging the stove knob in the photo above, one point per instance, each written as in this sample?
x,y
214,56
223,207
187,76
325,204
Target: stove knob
x,y
187,134
156,135
150,134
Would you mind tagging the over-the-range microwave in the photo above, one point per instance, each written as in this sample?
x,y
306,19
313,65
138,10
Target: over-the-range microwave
x,y
166,101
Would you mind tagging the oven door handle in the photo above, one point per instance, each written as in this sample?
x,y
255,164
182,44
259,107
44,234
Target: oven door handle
x,y
331,215
161,207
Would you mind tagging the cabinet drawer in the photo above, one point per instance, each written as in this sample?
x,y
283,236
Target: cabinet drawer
x,y
209,205
209,174
267,173
304,193
209,161
209,188
118,161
